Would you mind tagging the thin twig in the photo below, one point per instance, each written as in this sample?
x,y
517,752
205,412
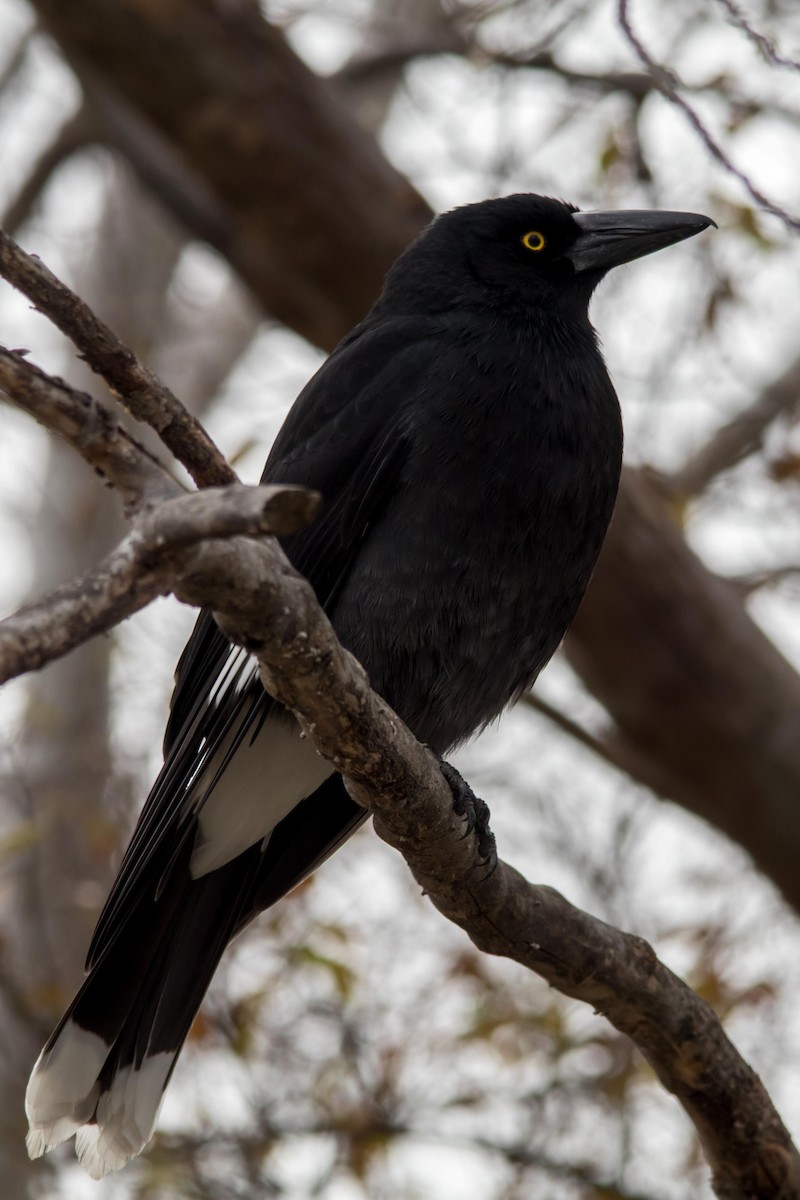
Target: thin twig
x,y
137,388
740,437
764,44
669,85
91,427
599,746
637,84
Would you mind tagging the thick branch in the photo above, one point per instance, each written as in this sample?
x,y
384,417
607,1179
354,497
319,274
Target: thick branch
x,y
262,603
182,192
144,566
315,213
144,396
166,522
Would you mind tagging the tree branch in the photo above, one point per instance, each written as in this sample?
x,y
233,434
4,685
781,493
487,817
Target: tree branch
x,y
697,693
137,388
91,428
760,40
669,85
604,747
183,193
637,84
740,437
252,121
180,518
77,132
166,521
263,604
142,567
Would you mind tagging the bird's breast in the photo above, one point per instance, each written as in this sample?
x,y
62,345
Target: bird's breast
x,y
472,574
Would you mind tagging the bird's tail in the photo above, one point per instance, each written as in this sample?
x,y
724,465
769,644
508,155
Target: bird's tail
x,y
103,1072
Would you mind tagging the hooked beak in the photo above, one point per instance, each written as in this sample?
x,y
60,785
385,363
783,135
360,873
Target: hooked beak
x,y
608,239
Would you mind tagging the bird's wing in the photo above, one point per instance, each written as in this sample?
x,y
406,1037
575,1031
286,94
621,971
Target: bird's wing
x,y
340,439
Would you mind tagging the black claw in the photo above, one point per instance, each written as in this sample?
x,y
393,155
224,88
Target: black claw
x,y
476,812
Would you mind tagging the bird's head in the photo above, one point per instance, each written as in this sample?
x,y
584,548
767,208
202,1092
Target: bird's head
x,y
531,249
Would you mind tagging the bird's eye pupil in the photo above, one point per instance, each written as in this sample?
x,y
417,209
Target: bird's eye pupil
x,y
533,240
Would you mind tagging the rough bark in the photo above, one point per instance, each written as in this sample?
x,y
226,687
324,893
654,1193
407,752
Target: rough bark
x,y
145,397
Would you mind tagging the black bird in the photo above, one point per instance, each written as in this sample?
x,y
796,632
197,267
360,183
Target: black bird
x,y
466,439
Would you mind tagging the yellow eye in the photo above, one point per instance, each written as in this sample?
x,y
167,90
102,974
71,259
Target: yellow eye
x,y
534,240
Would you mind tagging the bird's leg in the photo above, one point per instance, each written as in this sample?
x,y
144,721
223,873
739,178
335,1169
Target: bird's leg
x,y
467,804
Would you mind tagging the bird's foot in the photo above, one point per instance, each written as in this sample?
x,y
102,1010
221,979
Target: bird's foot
x,y
476,811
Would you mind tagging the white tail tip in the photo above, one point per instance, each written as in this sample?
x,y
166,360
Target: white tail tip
x,y
64,1098
63,1090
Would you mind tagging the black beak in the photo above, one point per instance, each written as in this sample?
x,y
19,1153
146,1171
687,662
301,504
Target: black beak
x,y
608,239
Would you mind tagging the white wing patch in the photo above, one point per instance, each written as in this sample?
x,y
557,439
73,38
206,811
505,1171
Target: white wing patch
x,y
265,778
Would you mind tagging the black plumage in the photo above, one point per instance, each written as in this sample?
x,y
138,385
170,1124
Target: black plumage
x,y
466,439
